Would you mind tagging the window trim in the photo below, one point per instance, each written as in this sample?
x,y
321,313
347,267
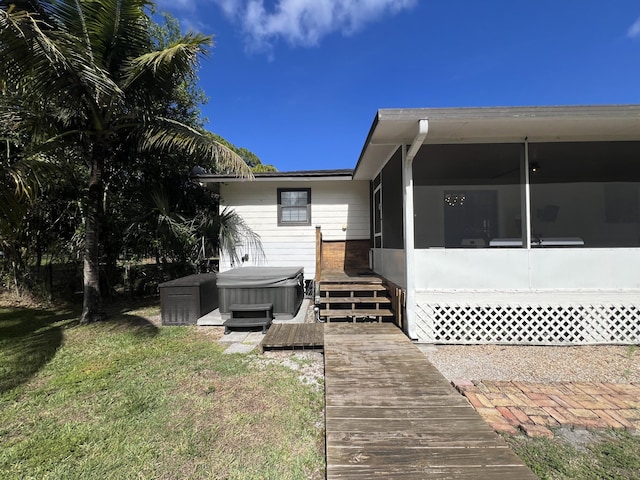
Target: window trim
x,y
282,223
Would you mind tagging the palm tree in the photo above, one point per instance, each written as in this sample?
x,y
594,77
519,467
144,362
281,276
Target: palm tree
x,y
82,76
231,233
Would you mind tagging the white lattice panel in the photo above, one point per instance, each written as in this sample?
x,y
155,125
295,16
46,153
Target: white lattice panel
x,y
528,324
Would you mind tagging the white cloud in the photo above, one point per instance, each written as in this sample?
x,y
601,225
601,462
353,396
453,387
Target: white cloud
x,y
634,30
305,22
230,7
297,22
182,5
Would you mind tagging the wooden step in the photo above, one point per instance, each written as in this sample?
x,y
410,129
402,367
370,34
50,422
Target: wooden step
x,y
353,287
383,312
341,277
347,300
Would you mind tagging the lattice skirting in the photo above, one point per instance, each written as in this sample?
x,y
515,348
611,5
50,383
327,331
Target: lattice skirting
x,y
528,324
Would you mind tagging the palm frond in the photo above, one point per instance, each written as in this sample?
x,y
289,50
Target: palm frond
x,y
72,20
21,33
173,231
38,58
28,176
119,30
170,136
233,233
166,67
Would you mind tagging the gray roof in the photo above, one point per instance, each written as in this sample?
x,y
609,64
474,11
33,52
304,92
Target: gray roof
x,y
298,175
394,127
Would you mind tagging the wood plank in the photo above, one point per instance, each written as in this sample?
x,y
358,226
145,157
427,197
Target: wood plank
x,y
347,313
292,330
335,276
425,457
348,287
472,427
410,438
410,472
353,333
391,414
295,335
355,300
425,411
315,335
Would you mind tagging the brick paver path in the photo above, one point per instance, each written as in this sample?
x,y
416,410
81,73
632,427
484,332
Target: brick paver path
x,y
534,407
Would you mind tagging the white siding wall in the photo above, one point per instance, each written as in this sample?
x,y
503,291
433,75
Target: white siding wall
x,y
390,263
522,269
340,208
560,296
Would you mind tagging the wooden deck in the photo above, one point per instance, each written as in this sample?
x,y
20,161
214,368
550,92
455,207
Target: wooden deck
x,y
350,276
290,336
391,414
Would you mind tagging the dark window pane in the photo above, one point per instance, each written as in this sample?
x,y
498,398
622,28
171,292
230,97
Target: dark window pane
x,y
468,196
294,198
585,193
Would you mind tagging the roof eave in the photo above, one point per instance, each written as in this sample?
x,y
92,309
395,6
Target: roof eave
x,y
394,127
297,176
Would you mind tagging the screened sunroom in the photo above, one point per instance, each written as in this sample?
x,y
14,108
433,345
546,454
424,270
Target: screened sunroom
x,y
581,194
510,225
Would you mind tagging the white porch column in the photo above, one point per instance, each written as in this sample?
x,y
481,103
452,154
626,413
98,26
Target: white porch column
x,y
525,178
409,244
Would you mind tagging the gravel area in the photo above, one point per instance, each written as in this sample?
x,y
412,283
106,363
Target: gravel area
x,y
308,363
597,363
601,363
615,364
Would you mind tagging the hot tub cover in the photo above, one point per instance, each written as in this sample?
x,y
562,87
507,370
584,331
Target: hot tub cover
x,y
246,277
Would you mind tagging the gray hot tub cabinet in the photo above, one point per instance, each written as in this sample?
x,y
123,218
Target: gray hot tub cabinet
x,y
281,286
184,300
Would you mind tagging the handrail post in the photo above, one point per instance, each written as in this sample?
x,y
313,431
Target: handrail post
x,y
318,252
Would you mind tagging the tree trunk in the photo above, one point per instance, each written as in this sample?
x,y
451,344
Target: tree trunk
x,y
92,299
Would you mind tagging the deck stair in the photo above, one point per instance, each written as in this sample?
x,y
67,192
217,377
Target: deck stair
x,y
354,299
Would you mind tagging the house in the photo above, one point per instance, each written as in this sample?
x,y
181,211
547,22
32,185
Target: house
x,y
517,225
284,209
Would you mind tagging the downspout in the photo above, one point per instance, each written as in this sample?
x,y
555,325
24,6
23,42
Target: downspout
x,y
526,207
526,219
409,241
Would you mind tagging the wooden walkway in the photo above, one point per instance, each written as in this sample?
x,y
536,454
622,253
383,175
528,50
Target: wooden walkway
x,y
299,336
391,414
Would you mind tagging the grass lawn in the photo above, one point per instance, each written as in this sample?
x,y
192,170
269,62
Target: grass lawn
x,y
581,454
127,399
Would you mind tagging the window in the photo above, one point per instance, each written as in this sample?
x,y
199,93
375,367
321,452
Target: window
x,y
294,206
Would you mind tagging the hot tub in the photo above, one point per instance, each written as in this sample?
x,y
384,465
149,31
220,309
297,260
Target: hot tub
x,y
281,286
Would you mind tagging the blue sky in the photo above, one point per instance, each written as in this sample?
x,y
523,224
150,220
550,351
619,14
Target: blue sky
x,y
298,82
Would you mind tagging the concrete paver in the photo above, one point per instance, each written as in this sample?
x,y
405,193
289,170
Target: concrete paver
x,y
234,336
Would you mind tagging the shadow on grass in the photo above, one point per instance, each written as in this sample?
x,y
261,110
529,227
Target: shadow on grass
x,y
136,325
29,339
125,314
